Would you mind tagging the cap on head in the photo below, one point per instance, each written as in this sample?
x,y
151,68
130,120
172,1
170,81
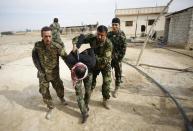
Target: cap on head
x,y
56,20
116,20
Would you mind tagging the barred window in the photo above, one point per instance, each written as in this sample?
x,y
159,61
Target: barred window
x,y
150,22
128,23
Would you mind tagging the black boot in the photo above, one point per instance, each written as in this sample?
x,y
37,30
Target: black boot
x,y
84,117
63,101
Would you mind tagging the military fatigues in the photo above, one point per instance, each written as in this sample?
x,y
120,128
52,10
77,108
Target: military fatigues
x,y
56,33
118,40
103,53
83,102
46,61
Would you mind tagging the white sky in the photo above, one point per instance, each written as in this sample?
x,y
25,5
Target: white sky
x,y
34,14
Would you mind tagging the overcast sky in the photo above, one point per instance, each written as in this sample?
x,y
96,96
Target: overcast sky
x,y
33,14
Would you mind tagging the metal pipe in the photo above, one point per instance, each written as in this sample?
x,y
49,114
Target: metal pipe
x,y
168,68
187,122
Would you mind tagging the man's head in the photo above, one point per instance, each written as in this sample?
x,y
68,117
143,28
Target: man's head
x,y
115,24
56,20
80,71
46,35
102,33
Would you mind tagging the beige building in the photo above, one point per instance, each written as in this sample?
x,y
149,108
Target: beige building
x,y
137,21
179,28
74,30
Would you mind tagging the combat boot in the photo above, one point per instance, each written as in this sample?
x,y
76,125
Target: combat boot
x,y
115,93
49,113
50,106
63,101
106,103
84,117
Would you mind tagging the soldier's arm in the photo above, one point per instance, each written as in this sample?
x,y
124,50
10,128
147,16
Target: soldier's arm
x,y
82,39
58,27
61,51
124,45
36,60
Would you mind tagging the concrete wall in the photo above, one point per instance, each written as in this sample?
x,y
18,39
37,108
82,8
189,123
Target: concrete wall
x,y
179,29
190,39
141,20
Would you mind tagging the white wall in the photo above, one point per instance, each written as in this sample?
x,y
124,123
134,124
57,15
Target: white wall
x,y
142,20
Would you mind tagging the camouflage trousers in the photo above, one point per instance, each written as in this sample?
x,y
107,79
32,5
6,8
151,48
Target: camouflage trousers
x,y
106,74
117,65
83,101
44,89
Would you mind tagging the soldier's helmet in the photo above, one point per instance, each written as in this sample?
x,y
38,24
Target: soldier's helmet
x,y
56,20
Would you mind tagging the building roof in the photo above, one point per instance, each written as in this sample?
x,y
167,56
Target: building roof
x,y
141,11
82,26
180,11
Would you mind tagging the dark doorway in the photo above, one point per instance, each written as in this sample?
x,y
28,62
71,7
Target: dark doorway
x,y
166,31
143,28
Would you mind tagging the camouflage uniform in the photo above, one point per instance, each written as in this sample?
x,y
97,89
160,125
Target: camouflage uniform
x,y
118,40
46,61
56,33
83,102
103,53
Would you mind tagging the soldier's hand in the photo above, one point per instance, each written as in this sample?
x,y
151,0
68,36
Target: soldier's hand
x,y
115,57
75,49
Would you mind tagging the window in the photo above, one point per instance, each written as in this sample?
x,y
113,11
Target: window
x,y
128,23
150,22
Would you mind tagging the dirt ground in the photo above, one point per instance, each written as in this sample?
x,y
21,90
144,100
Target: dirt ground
x,y
140,106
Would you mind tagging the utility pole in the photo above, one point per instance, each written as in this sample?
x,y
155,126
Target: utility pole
x,y
115,6
136,24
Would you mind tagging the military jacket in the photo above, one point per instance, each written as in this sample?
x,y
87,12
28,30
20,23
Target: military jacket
x,y
103,51
46,59
118,40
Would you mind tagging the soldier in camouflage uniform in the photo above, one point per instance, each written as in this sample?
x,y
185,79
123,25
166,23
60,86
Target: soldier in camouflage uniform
x,y
45,56
118,40
55,26
103,50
